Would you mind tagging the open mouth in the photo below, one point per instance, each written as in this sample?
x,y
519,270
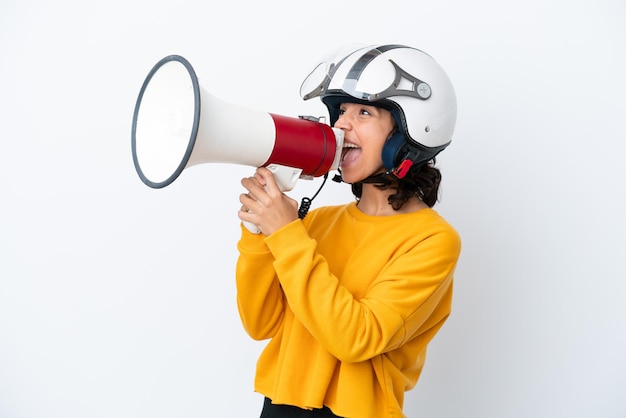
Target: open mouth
x,y
350,152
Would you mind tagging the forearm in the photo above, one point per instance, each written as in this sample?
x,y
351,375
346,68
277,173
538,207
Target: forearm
x,y
260,300
403,296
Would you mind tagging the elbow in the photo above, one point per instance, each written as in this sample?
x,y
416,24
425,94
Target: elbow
x,y
260,327
258,332
359,350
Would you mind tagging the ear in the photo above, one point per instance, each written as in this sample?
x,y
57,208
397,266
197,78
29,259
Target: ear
x,y
391,149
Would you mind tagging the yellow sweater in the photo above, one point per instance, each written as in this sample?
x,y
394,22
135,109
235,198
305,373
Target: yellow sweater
x,y
350,302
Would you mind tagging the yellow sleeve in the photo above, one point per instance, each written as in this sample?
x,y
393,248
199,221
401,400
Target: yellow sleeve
x,y
260,300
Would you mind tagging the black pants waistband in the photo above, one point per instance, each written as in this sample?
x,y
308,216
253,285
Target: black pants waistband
x,y
287,411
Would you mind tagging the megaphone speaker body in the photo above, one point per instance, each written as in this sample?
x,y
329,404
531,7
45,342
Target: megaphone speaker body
x,y
178,124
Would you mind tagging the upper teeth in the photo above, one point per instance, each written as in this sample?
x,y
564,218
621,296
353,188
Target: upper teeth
x,y
349,145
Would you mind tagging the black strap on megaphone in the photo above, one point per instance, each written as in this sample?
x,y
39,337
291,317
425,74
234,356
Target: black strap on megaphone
x,y
305,204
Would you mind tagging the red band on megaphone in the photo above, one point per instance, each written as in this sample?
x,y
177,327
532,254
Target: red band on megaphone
x,y
304,144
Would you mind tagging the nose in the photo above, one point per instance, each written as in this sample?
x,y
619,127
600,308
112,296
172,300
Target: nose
x,y
342,122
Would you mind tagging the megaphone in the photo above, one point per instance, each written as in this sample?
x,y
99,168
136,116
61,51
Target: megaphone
x,y
178,124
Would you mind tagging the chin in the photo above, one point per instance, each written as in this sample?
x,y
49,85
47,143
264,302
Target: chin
x,y
347,178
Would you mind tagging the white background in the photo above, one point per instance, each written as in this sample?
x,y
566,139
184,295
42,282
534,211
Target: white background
x,y
117,300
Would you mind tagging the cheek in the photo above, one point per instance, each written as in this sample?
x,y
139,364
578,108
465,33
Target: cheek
x,y
379,141
375,153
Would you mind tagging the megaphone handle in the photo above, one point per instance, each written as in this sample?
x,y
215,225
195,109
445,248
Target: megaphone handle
x,y
251,227
286,178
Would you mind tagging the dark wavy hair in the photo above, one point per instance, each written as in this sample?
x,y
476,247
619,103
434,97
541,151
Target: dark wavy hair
x,y
422,181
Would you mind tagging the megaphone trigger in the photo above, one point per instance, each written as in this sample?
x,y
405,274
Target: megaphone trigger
x,y
286,177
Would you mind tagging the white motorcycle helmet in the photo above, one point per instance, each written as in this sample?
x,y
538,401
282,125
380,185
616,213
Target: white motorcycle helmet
x,y
401,79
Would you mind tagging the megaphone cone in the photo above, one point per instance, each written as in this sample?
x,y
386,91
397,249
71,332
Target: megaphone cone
x,y
178,124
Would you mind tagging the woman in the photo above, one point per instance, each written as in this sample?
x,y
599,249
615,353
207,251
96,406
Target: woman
x,y
351,295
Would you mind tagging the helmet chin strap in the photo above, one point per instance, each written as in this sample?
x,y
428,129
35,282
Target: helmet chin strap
x,y
379,178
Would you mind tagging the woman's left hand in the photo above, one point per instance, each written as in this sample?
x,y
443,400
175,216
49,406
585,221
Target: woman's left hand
x,y
265,205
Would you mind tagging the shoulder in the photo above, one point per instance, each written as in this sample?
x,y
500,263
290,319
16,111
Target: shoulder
x,y
430,226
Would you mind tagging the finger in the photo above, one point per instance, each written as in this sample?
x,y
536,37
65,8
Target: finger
x,y
246,201
255,189
260,174
266,178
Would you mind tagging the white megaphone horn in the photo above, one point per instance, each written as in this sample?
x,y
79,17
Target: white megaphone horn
x,y
178,124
